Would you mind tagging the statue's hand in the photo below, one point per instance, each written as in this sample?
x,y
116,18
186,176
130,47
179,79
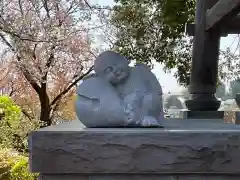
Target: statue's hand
x,y
132,109
131,115
149,121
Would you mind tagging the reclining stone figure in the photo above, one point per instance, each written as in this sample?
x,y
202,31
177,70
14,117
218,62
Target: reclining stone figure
x,y
119,95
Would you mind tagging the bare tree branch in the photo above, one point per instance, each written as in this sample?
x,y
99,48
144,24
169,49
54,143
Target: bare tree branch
x,y
6,42
29,78
87,4
20,6
13,34
29,116
45,5
54,109
51,57
34,51
48,64
25,72
70,7
65,91
12,91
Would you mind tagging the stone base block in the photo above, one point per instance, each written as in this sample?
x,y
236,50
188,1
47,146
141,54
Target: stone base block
x,y
202,114
194,150
225,116
140,177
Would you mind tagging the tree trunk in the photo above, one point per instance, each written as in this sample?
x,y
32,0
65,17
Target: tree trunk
x,y
45,109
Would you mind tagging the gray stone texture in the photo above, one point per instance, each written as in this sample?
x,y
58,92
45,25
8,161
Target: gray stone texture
x,y
119,95
139,177
182,147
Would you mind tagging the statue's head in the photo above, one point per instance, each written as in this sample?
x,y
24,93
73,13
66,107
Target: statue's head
x,y
112,66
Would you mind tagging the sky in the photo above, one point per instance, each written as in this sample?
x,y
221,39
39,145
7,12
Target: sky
x,y
167,80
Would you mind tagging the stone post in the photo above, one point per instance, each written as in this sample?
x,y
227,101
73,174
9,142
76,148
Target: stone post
x,y
204,62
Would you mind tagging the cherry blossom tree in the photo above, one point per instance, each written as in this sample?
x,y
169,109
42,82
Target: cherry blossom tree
x,y
48,51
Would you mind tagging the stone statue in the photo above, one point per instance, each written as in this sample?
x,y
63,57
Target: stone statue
x,y
119,95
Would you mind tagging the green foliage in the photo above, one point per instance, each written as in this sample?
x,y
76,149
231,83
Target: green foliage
x,y
13,127
4,165
20,170
11,111
229,69
14,166
9,122
229,66
235,87
221,90
153,30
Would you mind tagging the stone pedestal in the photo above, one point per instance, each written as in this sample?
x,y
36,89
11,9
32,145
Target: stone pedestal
x,y
202,115
185,150
230,116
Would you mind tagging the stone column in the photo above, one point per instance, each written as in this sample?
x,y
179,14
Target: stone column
x,y
204,62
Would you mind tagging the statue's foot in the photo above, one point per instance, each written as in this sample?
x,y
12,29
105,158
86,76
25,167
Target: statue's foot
x,y
149,121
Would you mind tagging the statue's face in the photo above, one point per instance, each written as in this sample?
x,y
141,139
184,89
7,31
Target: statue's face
x,y
117,73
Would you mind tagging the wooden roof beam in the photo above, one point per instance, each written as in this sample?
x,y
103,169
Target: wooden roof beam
x,y
232,27
221,12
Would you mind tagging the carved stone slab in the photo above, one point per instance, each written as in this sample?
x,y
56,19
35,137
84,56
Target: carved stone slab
x,y
183,147
140,177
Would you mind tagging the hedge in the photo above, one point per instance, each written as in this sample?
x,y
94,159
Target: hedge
x,y
14,166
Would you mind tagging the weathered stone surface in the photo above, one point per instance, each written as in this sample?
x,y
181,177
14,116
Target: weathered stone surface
x,y
139,177
193,147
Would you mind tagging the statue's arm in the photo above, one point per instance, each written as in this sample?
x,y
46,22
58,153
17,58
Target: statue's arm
x,y
149,79
153,95
90,101
152,100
